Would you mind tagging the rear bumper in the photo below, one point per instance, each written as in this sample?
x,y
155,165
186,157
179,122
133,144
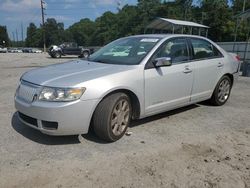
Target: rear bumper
x,y
237,73
57,118
236,76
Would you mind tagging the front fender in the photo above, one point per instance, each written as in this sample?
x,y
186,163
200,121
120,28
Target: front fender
x,y
131,81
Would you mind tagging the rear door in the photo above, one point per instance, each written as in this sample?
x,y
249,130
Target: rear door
x,y
170,86
208,65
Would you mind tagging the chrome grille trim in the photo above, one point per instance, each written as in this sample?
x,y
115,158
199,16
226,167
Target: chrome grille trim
x,y
27,91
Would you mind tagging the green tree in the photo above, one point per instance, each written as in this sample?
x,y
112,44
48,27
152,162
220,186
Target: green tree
x,y
54,32
238,6
131,20
4,38
244,25
107,28
127,21
147,11
82,32
31,31
217,15
185,6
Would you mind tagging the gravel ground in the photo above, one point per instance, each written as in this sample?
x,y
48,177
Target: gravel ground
x,y
196,146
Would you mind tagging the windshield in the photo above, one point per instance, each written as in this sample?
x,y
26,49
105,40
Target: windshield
x,y
125,51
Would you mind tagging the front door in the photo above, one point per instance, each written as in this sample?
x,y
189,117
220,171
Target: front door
x,y
168,87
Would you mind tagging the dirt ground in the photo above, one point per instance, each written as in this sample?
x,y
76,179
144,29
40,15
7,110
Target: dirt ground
x,y
196,146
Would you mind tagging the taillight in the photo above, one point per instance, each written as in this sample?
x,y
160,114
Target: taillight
x,y
237,57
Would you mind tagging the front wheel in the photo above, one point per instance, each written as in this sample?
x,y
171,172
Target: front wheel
x,y
57,55
222,91
112,117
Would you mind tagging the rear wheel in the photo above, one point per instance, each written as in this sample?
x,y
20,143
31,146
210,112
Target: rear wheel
x,y
222,91
112,117
85,54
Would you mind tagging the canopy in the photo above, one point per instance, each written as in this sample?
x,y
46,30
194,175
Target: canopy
x,y
164,23
174,25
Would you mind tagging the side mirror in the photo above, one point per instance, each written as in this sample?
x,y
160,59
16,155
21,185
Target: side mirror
x,y
162,62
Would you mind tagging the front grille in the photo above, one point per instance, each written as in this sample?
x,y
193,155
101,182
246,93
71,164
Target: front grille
x,y
27,92
28,119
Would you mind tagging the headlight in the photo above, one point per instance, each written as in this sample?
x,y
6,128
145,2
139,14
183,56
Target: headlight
x,y
61,94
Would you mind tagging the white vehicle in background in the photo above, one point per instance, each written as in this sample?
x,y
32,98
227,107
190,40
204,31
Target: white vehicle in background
x,y
15,50
3,49
35,50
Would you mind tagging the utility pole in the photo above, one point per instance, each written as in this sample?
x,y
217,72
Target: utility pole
x,y
244,6
16,37
119,5
43,29
22,31
13,35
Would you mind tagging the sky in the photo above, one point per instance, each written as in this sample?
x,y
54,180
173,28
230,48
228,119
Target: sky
x,y
16,14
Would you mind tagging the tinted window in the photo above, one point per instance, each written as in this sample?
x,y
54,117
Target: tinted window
x,y
176,49
204,49
217,53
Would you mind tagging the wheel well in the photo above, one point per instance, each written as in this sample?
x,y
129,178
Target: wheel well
x,y
231,77
136,109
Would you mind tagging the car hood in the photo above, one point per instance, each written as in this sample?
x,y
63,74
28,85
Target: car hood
x,y
71,73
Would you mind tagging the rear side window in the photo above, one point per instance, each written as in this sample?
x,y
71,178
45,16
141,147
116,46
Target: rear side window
x,y
204,49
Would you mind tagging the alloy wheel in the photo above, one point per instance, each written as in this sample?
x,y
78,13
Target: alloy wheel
x,y
120,117
224,90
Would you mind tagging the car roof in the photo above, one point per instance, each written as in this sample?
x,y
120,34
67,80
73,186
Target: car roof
x,y
162,36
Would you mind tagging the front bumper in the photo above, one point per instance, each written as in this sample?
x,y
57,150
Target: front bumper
x,y
57,118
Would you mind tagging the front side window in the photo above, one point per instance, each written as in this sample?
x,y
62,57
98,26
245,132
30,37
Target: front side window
x,y
125,51
204,49
176,49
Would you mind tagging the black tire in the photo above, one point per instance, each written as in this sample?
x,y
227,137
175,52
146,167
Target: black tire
x,y
106,111
57,55
85,54
217,98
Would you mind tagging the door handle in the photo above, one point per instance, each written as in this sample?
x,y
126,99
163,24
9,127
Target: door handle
x,y
187,70
220,64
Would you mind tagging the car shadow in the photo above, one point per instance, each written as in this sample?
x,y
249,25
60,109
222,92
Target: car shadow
x,y
65,57
162,115
39,137
207,103
93,138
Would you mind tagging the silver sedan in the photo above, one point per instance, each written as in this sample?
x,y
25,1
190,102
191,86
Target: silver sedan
x,y
130,78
